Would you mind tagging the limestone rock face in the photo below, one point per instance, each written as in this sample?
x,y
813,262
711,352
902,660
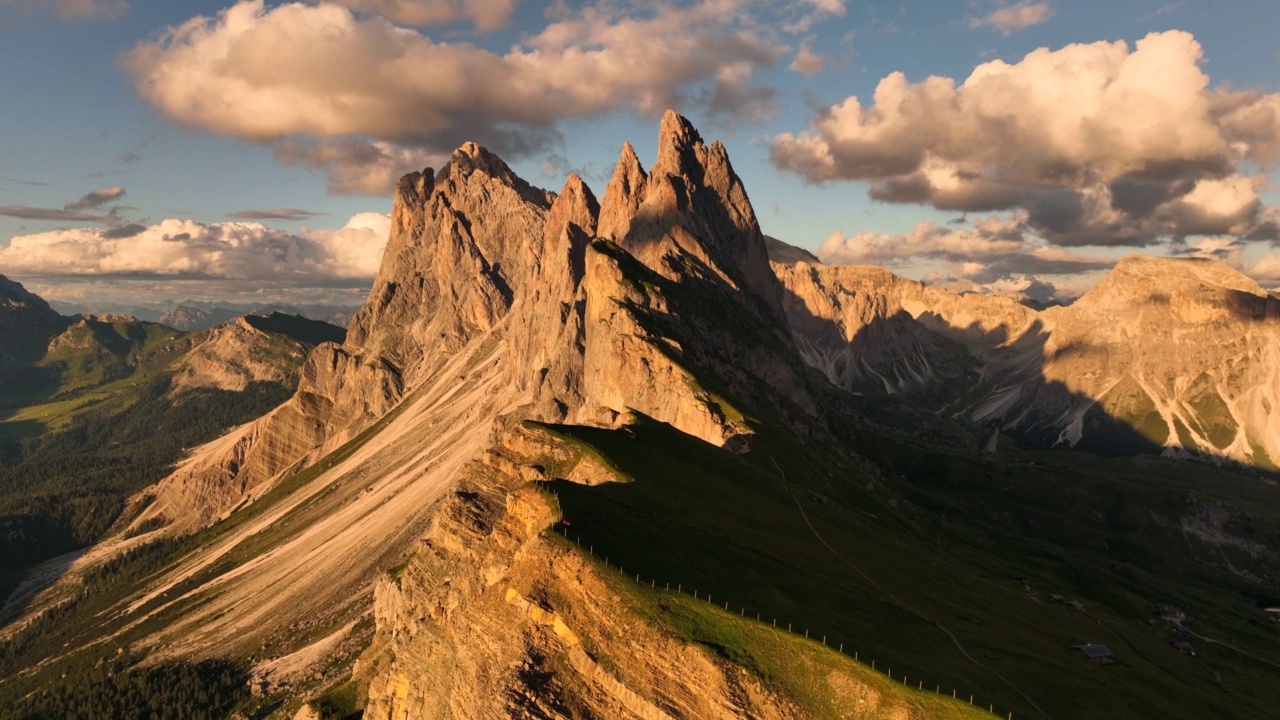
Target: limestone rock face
x,y
490,619
873,332
231,356
494,297
464,245
690,207
27,324
1165,355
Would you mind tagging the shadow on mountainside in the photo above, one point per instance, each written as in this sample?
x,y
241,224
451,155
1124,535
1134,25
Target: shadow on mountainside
x,y
920,375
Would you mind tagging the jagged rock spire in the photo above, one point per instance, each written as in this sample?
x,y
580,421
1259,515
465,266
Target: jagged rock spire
x,y
576,205
690,203
622,196
680,148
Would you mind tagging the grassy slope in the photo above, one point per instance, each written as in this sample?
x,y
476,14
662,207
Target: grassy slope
x,y
72,634
93,421
802,670
98,371
901,564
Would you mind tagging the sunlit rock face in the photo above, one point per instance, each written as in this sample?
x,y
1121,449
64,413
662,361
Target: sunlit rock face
x,y
1169,355
495,301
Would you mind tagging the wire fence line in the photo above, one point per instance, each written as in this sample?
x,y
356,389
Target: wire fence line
x,y
760,617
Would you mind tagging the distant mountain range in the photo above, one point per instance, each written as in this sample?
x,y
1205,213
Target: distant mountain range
x,y
627,457
1176,356
93,408
198,314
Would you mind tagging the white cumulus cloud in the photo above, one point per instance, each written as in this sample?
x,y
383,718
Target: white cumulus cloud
x,y
1097,143
185,248
332,86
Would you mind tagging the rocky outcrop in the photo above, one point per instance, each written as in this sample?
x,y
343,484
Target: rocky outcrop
x,y
234,355
493,618
877,334
494,298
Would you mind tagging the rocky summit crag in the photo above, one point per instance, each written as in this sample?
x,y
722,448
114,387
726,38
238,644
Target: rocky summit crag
x,y
383,540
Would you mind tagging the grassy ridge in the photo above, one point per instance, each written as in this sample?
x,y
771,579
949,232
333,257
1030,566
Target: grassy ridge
x,y
898,569
804,671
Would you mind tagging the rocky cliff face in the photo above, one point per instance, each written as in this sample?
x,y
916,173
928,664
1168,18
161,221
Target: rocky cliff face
x,y
658,300
27,324
493,618
495,300
1163,355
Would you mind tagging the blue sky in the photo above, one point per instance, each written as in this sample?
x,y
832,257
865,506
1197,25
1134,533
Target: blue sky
x,y
105,96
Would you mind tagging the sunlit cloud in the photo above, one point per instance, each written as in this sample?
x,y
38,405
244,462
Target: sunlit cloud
x,y
1008,19
338,90
1095,144
185,248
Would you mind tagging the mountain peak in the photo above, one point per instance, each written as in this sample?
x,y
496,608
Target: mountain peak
x,y
575,204
679,145
13,293
691,205
622,195
1158,271
471,158
1193,289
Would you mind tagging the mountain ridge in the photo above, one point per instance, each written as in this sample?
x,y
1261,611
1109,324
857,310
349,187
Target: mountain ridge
x,y
1064,375
386,533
